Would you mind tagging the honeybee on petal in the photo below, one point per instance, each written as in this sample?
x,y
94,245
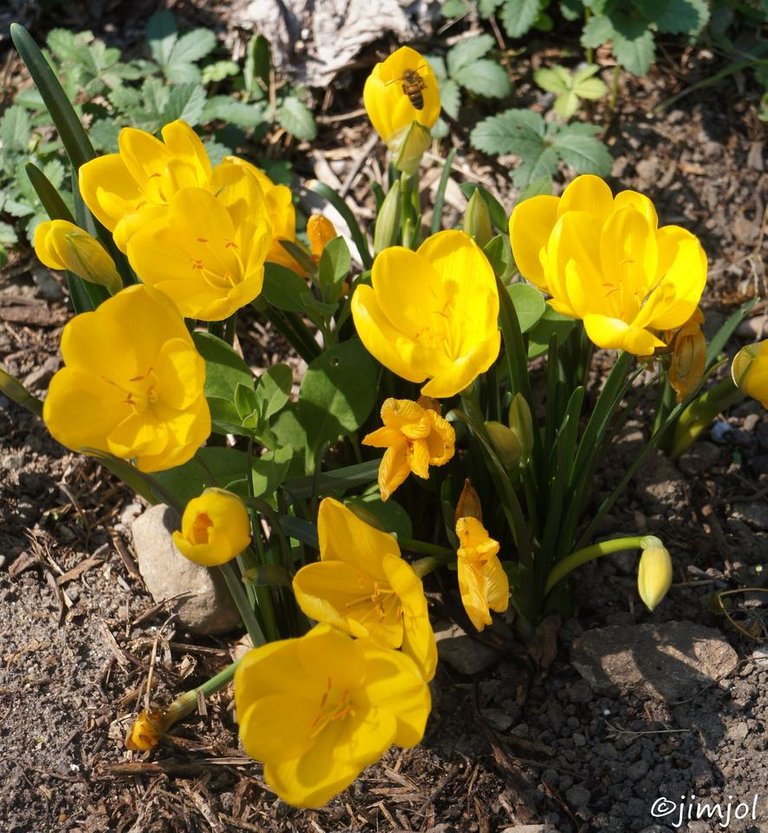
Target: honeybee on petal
x,y
412,84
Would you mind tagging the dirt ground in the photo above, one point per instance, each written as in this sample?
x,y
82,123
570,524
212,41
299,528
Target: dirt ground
x,y
518,743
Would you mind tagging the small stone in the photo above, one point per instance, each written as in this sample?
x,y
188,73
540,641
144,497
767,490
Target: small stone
x,y
578,796
699,458
48,287
578,739
738,732
656,828
200,596
671,661
498,719
659,483
638,770
40,376
462,653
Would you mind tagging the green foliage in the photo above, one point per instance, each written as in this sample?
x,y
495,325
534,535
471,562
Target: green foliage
x,y
182,78
468,65
541,145
517,16
631,27
571,87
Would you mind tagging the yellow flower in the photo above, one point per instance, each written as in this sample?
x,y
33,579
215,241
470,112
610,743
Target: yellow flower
x,y
319,709
206,252
362,586
400,90
281,214
654,573
689,356
132,384
215,528
750,371
320,232
606,261
415,436
62,245
402,99
431,313
483,584
144,174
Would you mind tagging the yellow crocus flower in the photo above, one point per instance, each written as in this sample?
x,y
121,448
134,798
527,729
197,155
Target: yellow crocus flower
x,y
750,371
320,708
62,245
215,528
132,384
206,251
483,584
402,99
431,313
363,586
144,174
415,436
606,261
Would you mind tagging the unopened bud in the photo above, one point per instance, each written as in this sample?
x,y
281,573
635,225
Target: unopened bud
x,y
387,232
505,443
477,219
320,231
408,146
654,573
520,422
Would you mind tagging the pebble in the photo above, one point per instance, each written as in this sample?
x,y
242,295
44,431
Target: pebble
x,y
578,796
579,739
738,732
462,653
638,770
498,719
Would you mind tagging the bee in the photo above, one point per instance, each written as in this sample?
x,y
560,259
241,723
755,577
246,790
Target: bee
x,y
412,84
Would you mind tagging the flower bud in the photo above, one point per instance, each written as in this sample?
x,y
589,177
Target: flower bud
x,y
387,231
215,528
408,146
654,573
750,371
477,219
469,504
62,245
320,231
520,422
505,443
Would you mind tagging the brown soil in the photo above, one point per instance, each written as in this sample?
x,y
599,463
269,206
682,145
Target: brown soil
x,y
517,744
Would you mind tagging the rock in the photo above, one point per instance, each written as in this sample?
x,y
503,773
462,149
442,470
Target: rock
x,y
40,376
755,514
656,828
638,770
658,481
498,719
738,732
462,653
670,661
699,458
578,739
48,287
578,796
200,596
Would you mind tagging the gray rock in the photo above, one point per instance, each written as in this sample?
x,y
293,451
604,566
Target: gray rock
x,y
699,458
638,770
578,739
656,828
200,597
738,732
462,653
670,661
498,719
658,481
578,796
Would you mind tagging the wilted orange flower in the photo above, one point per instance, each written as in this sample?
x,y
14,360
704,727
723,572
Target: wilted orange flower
x,y
483,584
689,356
415,436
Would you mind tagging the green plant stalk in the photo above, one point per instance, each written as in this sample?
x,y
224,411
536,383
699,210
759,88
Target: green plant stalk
x,y
235,585
295,331
576,559
424,566
338,203
437,211
11,387
697,416
410,218
434,550
186,703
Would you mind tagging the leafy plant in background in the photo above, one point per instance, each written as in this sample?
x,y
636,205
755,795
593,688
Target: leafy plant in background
x,y
468,65
570,87
180,79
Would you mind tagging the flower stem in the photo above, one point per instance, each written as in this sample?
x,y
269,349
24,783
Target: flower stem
x,y
185,703
240,597
576,559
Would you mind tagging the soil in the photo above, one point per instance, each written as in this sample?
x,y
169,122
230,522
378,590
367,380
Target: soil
x,y
523,742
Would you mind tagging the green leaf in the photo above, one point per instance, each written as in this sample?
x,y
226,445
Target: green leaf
x,y
15,128
186,102
333,269
270,470
635,55
450,98
513,131
337,393
224,369
467,51
297,118
7,235
577,146
224,108
680,17
518,16
104,133
551,323
218,72
283,288
487,7
554,80
454,8
438,67
257,65
223,467
566,105
486,78
192,46
274,389
161,34
387,516
597,31
529,304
